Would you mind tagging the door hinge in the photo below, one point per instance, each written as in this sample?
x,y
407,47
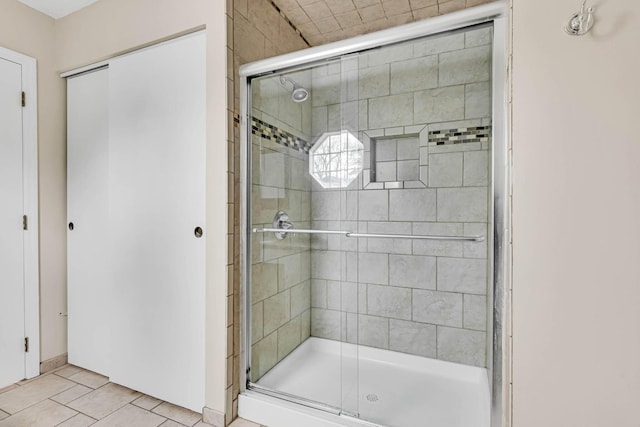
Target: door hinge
x,y
24,222
24,102
26,344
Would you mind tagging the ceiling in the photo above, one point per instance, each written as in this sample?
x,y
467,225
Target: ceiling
x,y
320,21
57,8
324,21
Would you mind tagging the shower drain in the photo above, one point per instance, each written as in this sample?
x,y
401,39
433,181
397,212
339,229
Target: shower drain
x,y
372,397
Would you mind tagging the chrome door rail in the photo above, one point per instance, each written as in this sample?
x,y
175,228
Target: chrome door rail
x,y
347,233
294,399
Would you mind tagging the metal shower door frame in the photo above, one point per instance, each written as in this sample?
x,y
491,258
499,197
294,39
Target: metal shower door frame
x,y
500,259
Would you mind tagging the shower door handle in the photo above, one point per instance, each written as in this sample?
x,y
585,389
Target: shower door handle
x,y
346,233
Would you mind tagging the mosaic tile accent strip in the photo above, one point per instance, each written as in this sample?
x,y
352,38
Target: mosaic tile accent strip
x,y
275,134
460,135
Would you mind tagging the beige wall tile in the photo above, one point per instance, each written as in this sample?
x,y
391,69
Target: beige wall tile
x,y
349,19
317,11
451,6
395,7
471,3
372,13
419,4
340,6
426,12
328,25
286,5
361,4
298,17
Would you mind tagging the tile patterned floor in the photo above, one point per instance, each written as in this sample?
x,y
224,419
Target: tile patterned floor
x,y
74,397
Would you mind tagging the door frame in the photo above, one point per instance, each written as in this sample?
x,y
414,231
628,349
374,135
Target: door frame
x,y
498,348
30,194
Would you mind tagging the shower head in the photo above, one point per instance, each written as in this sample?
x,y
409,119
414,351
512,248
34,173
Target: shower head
x,y
298,92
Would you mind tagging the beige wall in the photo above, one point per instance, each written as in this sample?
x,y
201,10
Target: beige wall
x,y
576,216
98,32
24,30
102,31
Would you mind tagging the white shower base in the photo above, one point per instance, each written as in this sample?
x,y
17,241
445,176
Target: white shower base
x,y
384,387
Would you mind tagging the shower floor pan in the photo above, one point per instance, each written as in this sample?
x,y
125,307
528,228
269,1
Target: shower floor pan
x,y
384,387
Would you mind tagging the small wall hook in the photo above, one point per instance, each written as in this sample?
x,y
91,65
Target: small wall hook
x,y
580,23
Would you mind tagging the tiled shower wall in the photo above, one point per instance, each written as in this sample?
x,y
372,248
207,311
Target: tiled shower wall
x,y
255,30
281,269
421,297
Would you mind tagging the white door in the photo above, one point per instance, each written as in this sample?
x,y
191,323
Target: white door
x,y
12,325
87,205
157,109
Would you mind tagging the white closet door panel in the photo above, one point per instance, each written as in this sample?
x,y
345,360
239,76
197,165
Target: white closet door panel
x,y
157,198
87,204
12,333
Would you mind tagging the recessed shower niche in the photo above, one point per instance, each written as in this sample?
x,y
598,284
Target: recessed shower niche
x,y
383,283
396,158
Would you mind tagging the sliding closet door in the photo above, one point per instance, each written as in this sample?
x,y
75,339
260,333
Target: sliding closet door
x,y
156,203
87,203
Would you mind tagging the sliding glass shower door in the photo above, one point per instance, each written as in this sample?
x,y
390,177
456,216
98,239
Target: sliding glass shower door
x,y
303,161
370,232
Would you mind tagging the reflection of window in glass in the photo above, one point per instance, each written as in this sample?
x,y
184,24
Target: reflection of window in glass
x,y
336,159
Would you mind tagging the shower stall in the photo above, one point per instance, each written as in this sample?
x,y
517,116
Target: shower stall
x,y
374,186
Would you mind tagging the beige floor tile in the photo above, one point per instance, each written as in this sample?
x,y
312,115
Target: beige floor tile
x,y
9,387
131,416
44,414
71,394
67,370
171,423
90,379
239,422
30,380
203,424
147,402
38,390
3,415
177,413
80,420
103,401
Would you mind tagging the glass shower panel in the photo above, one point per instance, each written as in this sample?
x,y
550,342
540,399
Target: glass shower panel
x,y
371,217
424,118
280,268
302,162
